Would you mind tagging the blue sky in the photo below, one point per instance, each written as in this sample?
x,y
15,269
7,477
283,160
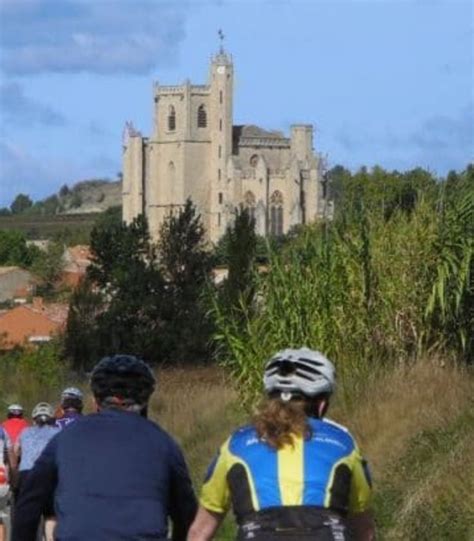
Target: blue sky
x,y
384,82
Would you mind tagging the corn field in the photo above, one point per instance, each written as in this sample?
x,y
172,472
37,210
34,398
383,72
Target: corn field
x,y
370,291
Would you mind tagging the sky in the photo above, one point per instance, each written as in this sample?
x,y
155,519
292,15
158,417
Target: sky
x,y
384,82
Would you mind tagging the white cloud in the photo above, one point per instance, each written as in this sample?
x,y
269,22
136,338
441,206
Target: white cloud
x,y
99,36
19,109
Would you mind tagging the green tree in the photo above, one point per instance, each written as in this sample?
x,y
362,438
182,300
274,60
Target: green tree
x,y
241,242
111,216
186,264
21,203
48,266
82,338
76,200
14,250
64,191
125,271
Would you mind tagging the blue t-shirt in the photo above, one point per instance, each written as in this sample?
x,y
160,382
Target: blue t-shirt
x,y
68,418
114,475
32,442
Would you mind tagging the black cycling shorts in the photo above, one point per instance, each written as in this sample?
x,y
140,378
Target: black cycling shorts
x,y
298,523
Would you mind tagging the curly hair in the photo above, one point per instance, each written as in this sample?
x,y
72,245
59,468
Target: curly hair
x,y
278,422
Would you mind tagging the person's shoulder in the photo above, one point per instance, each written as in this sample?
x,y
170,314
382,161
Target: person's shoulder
x,y
242,437
328,428
28,431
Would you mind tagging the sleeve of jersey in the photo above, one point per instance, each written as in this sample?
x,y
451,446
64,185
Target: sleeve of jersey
x,y
215,495
361,487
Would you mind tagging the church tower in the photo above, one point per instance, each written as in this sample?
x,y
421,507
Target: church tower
x,y
221,83
195,151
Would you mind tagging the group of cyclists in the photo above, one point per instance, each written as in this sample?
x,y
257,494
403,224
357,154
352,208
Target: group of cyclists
x,y
22,443
290,474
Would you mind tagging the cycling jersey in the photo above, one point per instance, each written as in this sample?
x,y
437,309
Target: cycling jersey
x,y
68,418
114,475
31,443
14,427
325,472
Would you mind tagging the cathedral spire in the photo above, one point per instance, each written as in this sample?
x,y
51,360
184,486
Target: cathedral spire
x,y
222,57
220,33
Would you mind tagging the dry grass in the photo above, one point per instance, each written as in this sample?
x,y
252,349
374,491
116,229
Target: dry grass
x,y
416,427
415,424
198,407
402,403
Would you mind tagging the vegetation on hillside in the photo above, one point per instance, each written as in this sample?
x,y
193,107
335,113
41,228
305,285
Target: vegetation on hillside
x,y
90,193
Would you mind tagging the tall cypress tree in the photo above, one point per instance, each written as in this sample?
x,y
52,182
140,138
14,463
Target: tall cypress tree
x,y
186,264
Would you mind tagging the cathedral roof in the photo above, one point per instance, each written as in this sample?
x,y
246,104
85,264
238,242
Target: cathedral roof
x,y
250,130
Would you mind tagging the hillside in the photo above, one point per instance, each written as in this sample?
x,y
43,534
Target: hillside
x,y
90,196
73,210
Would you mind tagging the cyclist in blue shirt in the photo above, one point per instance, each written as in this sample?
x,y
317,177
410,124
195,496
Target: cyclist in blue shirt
x,y
72,403
115,474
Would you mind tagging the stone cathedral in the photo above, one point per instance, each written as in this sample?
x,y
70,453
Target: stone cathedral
x,y
196,151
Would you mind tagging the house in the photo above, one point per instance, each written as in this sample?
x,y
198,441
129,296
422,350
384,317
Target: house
x,y
34,323
15,283
76,260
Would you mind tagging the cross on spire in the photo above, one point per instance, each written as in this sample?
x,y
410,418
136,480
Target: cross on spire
x,y
221,38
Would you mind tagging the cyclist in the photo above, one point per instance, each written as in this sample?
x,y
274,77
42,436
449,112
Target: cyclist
x,y
115,474
5,461
15,423
292,474
72,403
29,447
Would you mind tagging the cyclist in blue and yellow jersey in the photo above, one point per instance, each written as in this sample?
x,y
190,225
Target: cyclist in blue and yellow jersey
x,y
292,474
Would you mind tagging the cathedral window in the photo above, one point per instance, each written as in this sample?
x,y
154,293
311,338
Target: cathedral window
x,y
220,124
219,174
220,96
250,204
254,160
221,198
324,189
202,117
171,118
276,214
220,151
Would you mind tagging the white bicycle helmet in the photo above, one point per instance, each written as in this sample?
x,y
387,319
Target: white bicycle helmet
x,y
43,409
299,372
72,392
16,409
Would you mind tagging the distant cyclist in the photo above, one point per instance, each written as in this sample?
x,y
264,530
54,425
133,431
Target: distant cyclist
x,y
72,404
5,478
27,450
15,423
115,474
293,474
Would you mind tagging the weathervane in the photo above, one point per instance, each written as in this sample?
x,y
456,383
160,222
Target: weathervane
x,y
221,37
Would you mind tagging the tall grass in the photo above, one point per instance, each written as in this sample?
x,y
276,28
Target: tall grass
x,y
368,291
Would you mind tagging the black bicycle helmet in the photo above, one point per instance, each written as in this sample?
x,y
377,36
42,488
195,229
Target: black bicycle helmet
x,y
125,378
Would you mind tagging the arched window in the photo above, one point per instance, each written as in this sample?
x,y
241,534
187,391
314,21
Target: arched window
x,y
250,204
202,117
171,118
276,214
254,160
